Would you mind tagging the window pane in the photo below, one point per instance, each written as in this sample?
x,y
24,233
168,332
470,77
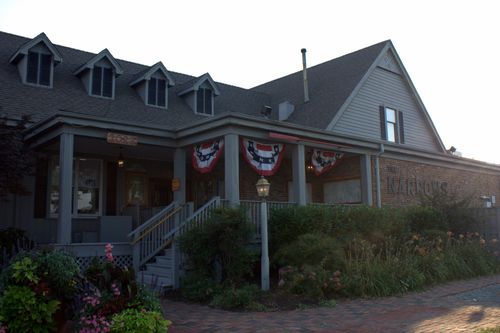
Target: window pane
x,y
391,115
45,64
107,84
89,182
199,101
208,101
152,91
54,187
96,80
162,89
391,132
31,75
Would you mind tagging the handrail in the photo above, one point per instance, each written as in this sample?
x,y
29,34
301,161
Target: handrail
x,y
147,232
213,203
152,219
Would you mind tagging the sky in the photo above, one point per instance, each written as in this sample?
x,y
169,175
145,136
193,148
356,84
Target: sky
x,y
449,48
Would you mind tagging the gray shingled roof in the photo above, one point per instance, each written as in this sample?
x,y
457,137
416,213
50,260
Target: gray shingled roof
x,y
69,94
330,84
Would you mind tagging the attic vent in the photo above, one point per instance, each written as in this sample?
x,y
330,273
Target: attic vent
x,y
285,109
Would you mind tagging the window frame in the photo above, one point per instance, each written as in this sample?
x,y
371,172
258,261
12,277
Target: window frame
x,y
74,190
157,92
39,70
204,102
397,125
91,85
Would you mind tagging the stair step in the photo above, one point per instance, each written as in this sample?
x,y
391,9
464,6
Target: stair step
x,y
159,270
164,261
154,281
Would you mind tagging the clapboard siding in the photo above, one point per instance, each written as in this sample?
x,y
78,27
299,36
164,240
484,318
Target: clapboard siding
x,y
383,87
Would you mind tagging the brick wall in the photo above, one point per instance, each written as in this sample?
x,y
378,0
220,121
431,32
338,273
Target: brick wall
x,y
403,182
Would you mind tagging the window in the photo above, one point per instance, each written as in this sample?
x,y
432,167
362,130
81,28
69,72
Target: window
x,y
391,125
39,68
204,101
86,187
102,81
157,89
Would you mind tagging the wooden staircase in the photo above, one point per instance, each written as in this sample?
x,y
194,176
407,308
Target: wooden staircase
x,y
157,259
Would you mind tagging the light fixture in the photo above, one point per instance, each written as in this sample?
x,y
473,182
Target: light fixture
x,y
121,161
262,187
310,168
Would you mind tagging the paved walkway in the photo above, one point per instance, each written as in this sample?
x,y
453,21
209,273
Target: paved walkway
x,y
461,306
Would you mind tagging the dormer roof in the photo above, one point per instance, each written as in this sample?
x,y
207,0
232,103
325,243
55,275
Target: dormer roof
x,y
41,38
98,57
195,84
152,70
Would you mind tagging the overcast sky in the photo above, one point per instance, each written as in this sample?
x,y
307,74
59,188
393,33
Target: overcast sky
x,y
450,48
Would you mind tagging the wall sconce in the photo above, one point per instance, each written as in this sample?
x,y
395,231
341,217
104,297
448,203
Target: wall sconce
x,y
121,161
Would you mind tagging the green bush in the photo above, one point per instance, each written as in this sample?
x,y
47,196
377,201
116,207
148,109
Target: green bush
x,y
24,311
286,225
196,286
426,218
312,281
220,242
60,270
237,298
145,299
456,210
136,321
312,249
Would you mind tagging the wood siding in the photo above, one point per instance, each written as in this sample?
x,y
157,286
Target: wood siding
x,y
362,117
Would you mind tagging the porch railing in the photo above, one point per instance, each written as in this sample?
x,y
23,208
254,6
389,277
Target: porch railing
x,y
148,239
252,209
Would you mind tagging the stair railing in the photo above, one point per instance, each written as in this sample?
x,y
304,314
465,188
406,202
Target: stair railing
x,y
148,239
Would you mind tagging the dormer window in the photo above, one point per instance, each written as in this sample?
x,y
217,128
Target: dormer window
x,y
152,85
199,94
35,61
157,91
102,81
99,73
39,68
204,101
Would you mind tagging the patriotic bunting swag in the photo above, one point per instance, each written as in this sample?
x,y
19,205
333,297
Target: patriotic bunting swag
x,y
205,155
265,159
324,161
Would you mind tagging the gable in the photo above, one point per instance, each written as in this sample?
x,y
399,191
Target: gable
x,y
388,88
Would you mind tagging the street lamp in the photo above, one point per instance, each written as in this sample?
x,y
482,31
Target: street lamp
x,y
263,191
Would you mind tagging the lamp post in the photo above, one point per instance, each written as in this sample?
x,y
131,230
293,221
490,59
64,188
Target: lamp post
x,y
263,191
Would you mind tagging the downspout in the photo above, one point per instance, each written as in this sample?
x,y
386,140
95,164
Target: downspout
x,y
377,176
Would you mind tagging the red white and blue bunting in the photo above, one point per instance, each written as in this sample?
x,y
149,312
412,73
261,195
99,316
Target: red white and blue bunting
x,y
264,158
323,160
206,155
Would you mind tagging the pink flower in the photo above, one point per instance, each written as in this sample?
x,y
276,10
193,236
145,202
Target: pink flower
x,y
3,329
109,252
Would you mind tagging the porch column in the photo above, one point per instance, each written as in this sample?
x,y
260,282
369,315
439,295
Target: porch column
x,y
180,174
299,175
64,221
232,168
366,179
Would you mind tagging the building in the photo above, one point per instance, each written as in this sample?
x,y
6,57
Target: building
x,y
118,142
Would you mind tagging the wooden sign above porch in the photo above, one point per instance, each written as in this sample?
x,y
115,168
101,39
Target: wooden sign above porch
x,y
122,139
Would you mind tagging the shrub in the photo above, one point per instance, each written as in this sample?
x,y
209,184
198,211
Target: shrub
x,y
220,242
60,270
286,225
136,321
313,281
426,218
237,298
457,212
24,311
145,299
196,286
312,249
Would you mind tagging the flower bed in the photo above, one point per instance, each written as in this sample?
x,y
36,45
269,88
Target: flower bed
x,y
44,291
